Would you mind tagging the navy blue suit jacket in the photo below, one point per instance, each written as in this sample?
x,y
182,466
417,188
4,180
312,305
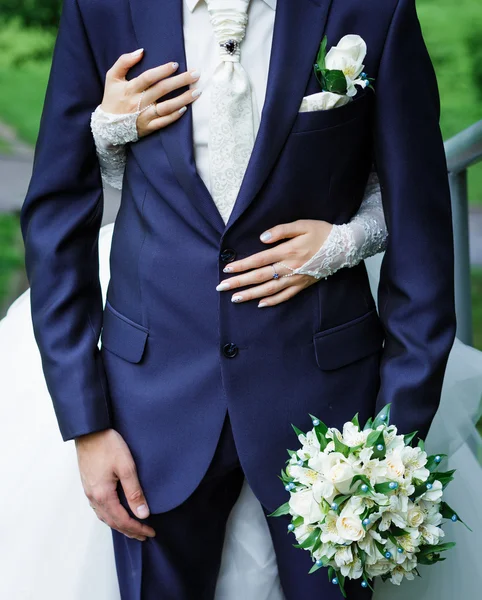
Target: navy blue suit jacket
x,y
176,353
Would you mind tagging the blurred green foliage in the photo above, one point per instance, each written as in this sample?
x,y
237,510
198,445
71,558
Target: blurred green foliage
x,y
11,252
22,47
477,306
43,13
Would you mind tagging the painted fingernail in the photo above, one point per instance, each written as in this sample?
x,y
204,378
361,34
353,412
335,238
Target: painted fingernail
x,y
262,304
197,92
137,52
222,286
142,511
227,270
236,299
174,65
183,110
195,74
265,236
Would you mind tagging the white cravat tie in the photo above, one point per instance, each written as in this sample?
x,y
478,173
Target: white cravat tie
x,y
231,124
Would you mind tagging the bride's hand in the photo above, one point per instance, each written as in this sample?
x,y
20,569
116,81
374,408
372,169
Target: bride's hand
x,y
105,459
121,96
305,237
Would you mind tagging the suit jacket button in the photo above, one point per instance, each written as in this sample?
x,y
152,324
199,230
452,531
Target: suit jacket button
x,y
230,350
228,255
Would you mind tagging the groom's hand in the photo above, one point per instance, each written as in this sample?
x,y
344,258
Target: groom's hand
x,y
304,238
104,460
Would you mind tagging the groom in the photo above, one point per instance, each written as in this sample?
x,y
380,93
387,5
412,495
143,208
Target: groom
x,y
190,391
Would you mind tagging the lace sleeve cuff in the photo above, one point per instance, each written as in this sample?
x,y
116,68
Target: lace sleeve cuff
x,y
111,133
347,245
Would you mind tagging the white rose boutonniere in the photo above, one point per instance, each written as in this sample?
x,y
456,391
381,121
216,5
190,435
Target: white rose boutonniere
x,y
341,69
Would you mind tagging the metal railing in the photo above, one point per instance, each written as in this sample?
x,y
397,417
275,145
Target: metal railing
x,y
462,151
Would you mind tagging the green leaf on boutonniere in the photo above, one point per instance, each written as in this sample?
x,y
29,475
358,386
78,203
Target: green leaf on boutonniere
x,y
330,80
320,59
334,81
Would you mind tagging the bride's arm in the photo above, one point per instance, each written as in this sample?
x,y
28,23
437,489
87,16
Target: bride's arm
x,y
111,133
115,123
347,245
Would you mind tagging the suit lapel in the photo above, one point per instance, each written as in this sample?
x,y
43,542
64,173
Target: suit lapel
x,y
298,30
159,30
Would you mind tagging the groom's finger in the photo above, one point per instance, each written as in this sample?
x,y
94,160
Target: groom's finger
x,y
132,490
119,519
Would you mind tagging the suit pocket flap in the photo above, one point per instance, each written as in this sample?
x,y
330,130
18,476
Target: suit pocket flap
x,y
339,346
122,336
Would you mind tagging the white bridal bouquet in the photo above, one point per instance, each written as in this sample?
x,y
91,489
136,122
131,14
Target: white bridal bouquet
x,y
366,502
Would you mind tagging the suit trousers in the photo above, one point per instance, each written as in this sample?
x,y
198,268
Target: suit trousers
x,y
182,562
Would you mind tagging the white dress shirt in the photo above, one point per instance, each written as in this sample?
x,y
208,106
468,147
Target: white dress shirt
x,y
202,53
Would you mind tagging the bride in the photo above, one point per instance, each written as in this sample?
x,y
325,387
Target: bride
x,y
52,544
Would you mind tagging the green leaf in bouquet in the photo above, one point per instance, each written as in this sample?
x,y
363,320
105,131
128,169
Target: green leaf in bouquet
x,y
380,547
316,567
421,445
297,431
340,499
383,417
285,478
384,488
429,555
444,478
340,446
355,421
367,581
430,559
321,427
376,440
341,583
362,555
408,439
331,573
298,521
284,509
364,480
310,540
335,81
292,453
317,544
321,439
436,548
368,424
449,513
396,531
433,462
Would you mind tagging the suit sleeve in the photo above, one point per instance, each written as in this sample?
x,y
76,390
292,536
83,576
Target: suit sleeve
x,y
60,221
416,291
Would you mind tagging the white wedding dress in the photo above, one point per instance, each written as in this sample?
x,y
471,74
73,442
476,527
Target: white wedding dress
x,y
52,547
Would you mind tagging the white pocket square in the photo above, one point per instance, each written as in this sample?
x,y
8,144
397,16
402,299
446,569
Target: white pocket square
x,y
323,101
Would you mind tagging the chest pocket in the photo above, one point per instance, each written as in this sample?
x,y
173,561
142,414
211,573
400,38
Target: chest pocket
x,y
317,120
